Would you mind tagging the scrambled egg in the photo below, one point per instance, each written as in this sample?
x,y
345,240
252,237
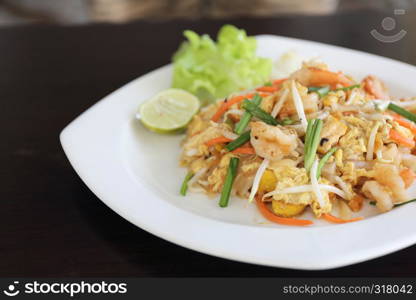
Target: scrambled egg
x,y
217,177
332,130
351,174
353,144
334,98
291,176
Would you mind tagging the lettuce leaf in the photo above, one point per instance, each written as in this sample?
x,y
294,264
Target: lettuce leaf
x,y
212,70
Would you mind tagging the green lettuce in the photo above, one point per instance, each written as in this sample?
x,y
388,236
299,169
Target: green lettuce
x,y
212,70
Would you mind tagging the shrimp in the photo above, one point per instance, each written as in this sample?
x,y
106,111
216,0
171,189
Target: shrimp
x,y
313,76
377,192
409,161
375,87
389,176
390,154
272,142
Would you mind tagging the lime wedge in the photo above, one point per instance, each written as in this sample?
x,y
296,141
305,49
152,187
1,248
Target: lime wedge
x,y
169,111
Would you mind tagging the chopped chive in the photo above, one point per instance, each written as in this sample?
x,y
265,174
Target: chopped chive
x,y
347,88
268,83
184,186
323,161
241,140
395,205
229,180
257,112
313,142
320,90
246,118
308,138
403,203
287,121
323,91
308,134
401,111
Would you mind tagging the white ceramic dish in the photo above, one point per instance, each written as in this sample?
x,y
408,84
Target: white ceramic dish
x,y
136,173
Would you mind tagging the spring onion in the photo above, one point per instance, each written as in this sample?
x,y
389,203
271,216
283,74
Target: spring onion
x,y
348,88
401,111
229,180
320,90
323,161
268,83
259,113
403,203
246,118
288,121
241,140
395,205
184,186
312,138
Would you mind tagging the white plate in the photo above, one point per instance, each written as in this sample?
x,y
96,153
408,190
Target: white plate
x,y
136,173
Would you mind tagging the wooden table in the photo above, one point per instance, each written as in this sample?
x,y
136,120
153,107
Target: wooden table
x,y
51,224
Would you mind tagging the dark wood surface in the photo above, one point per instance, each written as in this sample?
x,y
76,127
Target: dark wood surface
x,y
51,224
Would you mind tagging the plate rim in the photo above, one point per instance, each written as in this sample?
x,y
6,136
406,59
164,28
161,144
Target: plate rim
x,y
70,132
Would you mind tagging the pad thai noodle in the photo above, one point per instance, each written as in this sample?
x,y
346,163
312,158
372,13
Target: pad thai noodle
x,y
315,140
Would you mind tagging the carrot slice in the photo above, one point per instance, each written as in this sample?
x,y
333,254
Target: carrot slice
x,y
227,104
267,89
405,123
399,139
279,81
408,176
230,102
244,150
218,140
349,113
332,219
279,220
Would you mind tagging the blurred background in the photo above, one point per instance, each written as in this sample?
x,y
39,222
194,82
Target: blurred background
x,y
14,12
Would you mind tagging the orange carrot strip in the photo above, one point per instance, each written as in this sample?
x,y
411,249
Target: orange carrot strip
x,y
349,113
218,140
267,89
244,150
227,104
399,139
279,81
405,123
332,219
276,219
408,176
